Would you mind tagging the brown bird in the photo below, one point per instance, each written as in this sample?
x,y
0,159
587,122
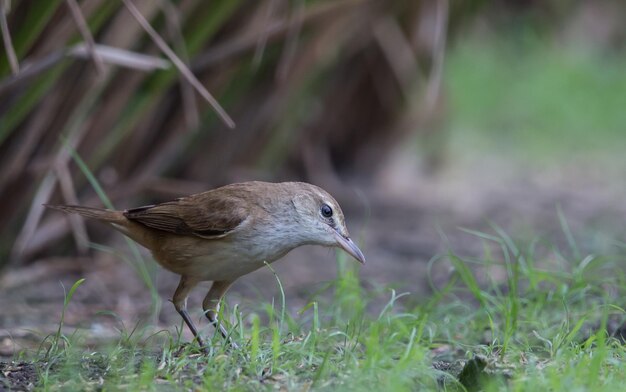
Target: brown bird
x,y
225,233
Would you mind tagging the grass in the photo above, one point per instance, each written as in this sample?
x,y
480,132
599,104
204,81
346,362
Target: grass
x,y
524,315
536,99
548,325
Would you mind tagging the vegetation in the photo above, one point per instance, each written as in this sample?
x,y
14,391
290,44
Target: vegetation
x,y
537,101
558,328
284,70
526,314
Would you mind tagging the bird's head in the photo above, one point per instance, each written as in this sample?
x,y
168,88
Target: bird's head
x,y
321,217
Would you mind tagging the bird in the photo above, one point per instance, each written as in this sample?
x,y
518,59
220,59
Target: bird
x,y
225,233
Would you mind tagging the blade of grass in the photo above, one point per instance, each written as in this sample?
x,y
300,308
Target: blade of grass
x,y
38,15
283,304
140,262
6,37
568,233
467,276
67,297
24,105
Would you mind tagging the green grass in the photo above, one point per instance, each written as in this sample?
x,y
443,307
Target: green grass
x,y
536,99
546,325
524,315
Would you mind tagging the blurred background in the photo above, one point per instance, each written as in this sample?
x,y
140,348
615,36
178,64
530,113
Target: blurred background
x,y
421,117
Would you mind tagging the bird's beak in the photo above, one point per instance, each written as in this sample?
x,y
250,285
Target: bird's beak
x,y
346,244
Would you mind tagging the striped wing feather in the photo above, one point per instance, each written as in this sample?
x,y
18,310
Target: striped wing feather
x,y
207,215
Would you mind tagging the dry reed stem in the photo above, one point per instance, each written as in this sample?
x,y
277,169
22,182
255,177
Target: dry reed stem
x,y
291,45
262,39
274,30
122,57
109,54
180,65
398,52
83,28
433,90
69,196
15,161
174,28
35,212
76,129
6,37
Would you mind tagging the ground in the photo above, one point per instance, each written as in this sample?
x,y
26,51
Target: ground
x,y
402,226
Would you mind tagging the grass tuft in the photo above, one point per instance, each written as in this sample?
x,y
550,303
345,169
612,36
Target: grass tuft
x,y
539,326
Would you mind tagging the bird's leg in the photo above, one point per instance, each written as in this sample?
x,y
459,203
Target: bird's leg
x,y
180,303
211,305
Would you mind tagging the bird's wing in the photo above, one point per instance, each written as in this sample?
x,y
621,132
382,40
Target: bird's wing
x,y
205,215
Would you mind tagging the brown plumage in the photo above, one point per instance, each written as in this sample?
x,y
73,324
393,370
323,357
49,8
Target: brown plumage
x,y
225,233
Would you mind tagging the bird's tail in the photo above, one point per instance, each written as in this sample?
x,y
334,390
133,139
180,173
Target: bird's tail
x,y
114,218
89,212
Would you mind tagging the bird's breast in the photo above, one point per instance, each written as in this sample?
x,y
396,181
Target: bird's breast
x,y
225,258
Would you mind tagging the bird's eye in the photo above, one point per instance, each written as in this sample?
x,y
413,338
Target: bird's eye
x,y
327,212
